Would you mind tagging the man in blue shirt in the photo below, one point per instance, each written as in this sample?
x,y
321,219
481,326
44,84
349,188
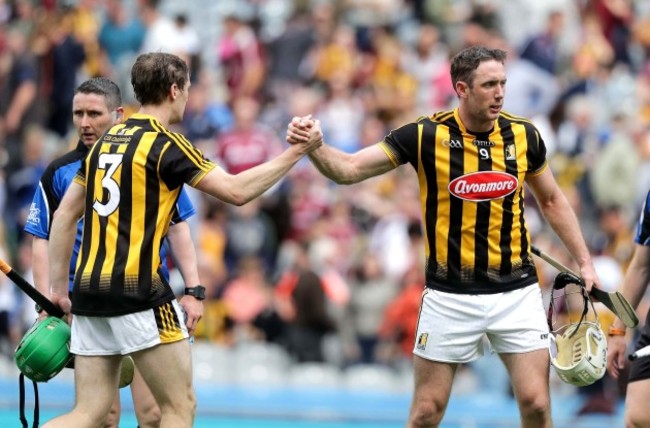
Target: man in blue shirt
x,y
96,108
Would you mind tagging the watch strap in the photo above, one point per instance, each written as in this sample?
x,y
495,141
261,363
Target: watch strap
x,y
198,292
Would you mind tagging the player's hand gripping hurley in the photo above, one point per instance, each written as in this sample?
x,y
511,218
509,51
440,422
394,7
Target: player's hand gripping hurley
x,y
614,301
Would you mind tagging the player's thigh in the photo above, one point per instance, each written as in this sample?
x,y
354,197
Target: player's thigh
x,y
167,370
96,379
433,381
636,403
529,373
143,399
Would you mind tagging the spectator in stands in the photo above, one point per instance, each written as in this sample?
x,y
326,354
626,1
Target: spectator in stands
x,y
287,53
190,45
249,299
370,293
542,49
67,55
400,318
241,55
204,117
162,34
248,142
18,93
303,306
121,35
250,232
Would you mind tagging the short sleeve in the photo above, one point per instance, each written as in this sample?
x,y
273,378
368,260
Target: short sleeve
x,y
38,220
536,151
401,145
181,163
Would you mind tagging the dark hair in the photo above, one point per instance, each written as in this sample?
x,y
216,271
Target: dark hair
x,y
102,86
465,62
154,73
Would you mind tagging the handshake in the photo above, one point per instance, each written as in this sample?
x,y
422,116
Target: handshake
x,y
305,130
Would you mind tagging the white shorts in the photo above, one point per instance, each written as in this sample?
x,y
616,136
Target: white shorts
x,y
127,333
452,327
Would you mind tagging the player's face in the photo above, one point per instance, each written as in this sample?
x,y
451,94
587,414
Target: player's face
x,y
91,117
484,99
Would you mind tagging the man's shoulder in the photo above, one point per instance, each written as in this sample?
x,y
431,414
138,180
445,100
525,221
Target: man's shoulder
x,y
509,118
445,118
67,159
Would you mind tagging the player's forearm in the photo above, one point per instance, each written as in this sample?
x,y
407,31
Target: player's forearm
x,y
334,164
633,287
40,268
62,236
248,185
564,222
182,247
346,168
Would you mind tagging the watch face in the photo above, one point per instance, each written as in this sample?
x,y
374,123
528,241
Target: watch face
x,y
198,292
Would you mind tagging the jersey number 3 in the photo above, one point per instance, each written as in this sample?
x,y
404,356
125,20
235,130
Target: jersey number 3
x,y
109,162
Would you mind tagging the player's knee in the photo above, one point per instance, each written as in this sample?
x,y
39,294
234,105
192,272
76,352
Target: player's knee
x,y
149,417
113,418
426,413
185,405
111,422
536,406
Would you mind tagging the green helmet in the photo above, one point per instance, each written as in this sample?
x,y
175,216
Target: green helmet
x,y
44,350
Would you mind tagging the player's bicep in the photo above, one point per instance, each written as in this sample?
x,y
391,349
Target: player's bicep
x,y
372,161
216,183
544,188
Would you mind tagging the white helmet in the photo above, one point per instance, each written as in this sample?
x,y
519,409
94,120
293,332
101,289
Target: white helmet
x,y
579,353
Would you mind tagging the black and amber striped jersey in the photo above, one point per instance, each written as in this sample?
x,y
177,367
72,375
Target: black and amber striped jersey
x,y
472,199
133,177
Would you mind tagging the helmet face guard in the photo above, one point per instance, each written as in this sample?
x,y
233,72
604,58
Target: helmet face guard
x,y
44,350
579,353
578,350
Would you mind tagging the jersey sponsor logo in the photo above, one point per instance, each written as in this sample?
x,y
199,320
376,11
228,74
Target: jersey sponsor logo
x,y
118,139
483,186
453,144
34,213
483,143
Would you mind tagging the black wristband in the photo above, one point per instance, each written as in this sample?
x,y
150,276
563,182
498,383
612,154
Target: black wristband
x,y
198,292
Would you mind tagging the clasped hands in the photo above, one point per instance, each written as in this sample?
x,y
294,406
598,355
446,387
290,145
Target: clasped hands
x,y
305,130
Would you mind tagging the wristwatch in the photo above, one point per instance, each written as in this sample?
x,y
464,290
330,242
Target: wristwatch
x,y
198,292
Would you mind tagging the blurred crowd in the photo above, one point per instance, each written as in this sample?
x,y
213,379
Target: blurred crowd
x,y
332,273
